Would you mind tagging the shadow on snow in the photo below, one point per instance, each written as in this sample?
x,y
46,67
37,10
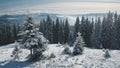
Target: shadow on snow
x,y
15,64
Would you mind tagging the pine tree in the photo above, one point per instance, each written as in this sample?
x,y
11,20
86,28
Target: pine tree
x,y
116,39
16,51
41,26
118,32
56,31
33,40
78,45
96,37
71,38
66,31
15,31
61,32
76,27
106,32
49,29
114,32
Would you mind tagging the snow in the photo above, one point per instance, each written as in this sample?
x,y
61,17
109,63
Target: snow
x,y
91,58
55,49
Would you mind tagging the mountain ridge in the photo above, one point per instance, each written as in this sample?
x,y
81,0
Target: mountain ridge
x,y
20,18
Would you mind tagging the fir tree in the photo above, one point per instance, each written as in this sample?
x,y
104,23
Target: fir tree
x,y
116,39
56,31
49,29
66,32
16,51
106,31
78,45
33,40
96,37
76,27
15,31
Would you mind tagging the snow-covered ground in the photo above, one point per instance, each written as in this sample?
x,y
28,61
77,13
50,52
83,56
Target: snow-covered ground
x,y
91,58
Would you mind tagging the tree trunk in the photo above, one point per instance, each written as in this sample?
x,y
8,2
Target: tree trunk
x,y
31,52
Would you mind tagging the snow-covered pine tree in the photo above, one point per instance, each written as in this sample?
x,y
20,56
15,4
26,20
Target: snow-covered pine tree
x,y
66,31
107,54
16,51
106,31
78,45
76,27
96,35
39,45
33,40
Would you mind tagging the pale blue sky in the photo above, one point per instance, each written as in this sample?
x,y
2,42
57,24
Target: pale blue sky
x,y
56,6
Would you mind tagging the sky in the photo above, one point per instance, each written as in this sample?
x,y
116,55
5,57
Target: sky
x,y
58,6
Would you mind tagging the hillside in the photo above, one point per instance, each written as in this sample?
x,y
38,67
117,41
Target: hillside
x,y
91,58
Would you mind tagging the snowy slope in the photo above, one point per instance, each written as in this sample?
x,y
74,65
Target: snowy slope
x,y
91,58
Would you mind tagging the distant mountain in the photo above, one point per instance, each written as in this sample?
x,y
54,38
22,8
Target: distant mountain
x,y
90,14
12,19
22,18
39,16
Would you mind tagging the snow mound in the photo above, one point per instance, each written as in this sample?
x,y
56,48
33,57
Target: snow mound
x,y
55,49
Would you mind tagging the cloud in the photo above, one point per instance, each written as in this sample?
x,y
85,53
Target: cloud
x,y
67,8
